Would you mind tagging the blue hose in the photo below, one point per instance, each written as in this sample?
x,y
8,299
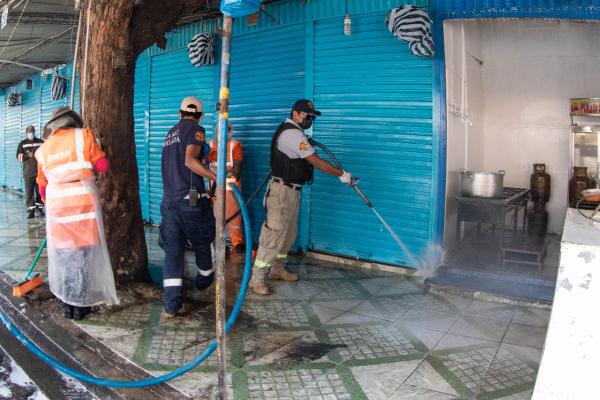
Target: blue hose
x,y
173,374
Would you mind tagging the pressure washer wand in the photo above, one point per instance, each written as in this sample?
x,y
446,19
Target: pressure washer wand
x,y
365,199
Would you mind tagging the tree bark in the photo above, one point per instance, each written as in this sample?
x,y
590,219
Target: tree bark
x,y
119,31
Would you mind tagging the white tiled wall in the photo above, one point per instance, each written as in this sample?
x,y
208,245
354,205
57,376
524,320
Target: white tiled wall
x,y
465,135
530,70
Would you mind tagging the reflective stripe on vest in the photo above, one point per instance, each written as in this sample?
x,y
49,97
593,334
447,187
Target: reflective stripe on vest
x,y
229,155
80,164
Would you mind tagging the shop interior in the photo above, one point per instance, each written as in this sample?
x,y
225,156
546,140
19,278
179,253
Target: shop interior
x,y
508,90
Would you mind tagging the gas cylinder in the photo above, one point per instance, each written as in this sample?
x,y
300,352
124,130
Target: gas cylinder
x,y
539,184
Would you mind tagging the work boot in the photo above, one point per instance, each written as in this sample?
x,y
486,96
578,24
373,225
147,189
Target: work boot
x,y
79,313
31,213
239,248
279,273
40,211
258,282
68,310
185,308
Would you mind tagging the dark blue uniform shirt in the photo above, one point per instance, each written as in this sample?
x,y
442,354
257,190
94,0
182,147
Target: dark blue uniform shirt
x,y
176,176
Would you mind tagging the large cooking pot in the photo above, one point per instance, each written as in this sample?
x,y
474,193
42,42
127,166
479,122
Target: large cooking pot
x,y
481,184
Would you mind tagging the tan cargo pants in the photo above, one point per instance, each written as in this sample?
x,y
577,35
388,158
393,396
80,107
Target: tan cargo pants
x,y
278,232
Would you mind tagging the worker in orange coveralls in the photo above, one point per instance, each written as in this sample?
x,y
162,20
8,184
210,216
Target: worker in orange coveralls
x,y
79,267
234,175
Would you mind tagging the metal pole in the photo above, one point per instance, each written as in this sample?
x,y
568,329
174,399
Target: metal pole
x,y
74,73
220,207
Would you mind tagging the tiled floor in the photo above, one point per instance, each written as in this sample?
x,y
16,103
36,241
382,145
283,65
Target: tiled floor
x,y
336,334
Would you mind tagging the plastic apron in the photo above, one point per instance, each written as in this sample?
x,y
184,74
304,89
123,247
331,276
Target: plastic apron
x,y
79,267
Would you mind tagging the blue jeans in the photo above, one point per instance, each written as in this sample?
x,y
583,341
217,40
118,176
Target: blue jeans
x,y
181,223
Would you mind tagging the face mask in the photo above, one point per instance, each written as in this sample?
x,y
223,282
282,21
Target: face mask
x,y
305,124
30,136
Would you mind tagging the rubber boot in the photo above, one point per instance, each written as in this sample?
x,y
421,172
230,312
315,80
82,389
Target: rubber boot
x,y
258,282
68,310
279,273
79,313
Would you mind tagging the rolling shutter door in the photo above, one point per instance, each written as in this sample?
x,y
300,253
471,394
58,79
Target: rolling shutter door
x,y
2,144
267,76
376,100
31,111
172,78
13,135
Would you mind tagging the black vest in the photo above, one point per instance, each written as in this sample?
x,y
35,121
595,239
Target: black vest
x,y
292,170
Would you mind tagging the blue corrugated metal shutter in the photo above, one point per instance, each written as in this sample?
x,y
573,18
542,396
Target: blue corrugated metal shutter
x,y
173,77
2,138
30,111
376,100
12,137
141,117
267,76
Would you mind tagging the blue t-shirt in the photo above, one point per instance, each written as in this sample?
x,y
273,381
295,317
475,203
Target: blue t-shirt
x,y
176,176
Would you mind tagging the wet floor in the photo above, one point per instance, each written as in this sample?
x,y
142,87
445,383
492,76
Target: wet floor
x,y
338,333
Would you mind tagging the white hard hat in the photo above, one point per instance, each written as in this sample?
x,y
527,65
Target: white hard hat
x,y
191,104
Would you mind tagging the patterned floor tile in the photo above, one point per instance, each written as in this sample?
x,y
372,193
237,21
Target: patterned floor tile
x,y
335,290
355,319
408,392
466,350
199,385
135,316
293,316
326,314
480,328
309,384
525,335
491,310
427,377
171,347
517,358
380,381
387,308
532,316
498,384
296,290
371,342
307,349
435,320
431,302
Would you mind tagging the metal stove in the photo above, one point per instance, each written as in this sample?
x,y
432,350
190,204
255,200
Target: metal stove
x,y
492,211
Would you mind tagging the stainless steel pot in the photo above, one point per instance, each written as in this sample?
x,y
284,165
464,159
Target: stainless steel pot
x,y
481,184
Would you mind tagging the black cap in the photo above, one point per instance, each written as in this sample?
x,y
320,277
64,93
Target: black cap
x,y
306,106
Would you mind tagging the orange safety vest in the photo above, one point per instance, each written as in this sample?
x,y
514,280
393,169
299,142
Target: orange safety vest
x,y
234,153
66,160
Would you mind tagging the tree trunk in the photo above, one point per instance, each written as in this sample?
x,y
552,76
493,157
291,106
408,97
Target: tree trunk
x,y
108,110
119,31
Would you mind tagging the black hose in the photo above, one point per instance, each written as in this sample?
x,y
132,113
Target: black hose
x,y
262,184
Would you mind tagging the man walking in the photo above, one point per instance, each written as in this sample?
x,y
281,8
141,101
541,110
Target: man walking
x,y
25,151
292,163
186,208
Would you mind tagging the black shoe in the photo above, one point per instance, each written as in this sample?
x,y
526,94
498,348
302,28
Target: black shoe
x,y
80,313
68,311
30,214
239,248
41,212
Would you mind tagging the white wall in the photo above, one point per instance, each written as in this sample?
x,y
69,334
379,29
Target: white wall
x,y
531,69
518,102
464,99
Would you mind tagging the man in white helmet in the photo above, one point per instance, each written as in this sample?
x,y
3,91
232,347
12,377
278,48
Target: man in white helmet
x,y
186,208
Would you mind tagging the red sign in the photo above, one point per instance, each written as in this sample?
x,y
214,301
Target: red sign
x,y
587,106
